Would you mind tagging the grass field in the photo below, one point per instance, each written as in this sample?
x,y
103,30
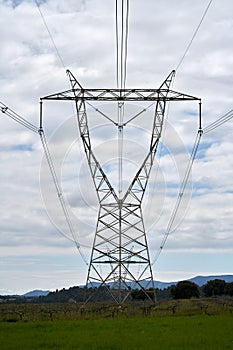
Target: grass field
x,y
172,324
167,332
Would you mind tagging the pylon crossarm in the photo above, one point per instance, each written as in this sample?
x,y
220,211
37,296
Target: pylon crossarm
x,y
121,95
79,93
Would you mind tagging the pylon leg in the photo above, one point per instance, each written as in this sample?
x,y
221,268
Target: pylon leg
x,y
120,255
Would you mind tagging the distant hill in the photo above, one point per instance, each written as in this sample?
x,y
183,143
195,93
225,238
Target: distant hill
x,y
199,280
36,293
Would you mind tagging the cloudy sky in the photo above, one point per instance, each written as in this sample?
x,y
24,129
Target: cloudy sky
x,y
36,249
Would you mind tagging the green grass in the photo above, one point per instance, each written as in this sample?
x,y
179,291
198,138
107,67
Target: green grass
x,y
167,332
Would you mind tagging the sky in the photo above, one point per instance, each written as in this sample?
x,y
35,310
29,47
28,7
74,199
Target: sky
x,y
36,250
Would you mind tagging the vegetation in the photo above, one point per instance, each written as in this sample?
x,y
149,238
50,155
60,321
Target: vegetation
x,y
217,287
168,324
197,332
14,313
229,289
180,319
185,290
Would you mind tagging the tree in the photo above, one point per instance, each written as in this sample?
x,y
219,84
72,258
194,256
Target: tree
x,y
229,288
214,287
185,290
139,294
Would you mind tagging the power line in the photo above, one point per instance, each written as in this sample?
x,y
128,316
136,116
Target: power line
x,y
194,34
10,113
193,155
122,42
220,121
117,44
47,153
126,42
121,32
59,192
50,34
180,195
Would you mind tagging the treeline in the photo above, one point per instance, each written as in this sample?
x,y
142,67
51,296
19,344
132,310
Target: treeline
x,y
217,287
188,290
182,290
213,288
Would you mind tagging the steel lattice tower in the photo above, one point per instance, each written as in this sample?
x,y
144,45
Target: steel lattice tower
x,y
120,255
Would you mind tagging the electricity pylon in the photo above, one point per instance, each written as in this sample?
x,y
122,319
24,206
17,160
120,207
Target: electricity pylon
x,y
120,258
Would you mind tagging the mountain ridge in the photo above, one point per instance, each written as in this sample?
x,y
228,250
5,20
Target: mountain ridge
x,y
199,280
36,293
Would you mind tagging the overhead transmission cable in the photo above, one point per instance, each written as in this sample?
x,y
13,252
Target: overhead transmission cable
x,y
180,62
194,151
59,192
180,195
117,43
46,150
50,34
222,120
122,33
122,30
13,115
194,35
124,62
10,113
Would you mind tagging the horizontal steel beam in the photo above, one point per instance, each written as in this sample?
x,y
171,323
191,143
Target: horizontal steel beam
x,y
120,95
123,261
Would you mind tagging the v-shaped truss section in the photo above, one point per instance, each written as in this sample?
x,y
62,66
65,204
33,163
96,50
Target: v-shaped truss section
x,y
138,186
105,191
